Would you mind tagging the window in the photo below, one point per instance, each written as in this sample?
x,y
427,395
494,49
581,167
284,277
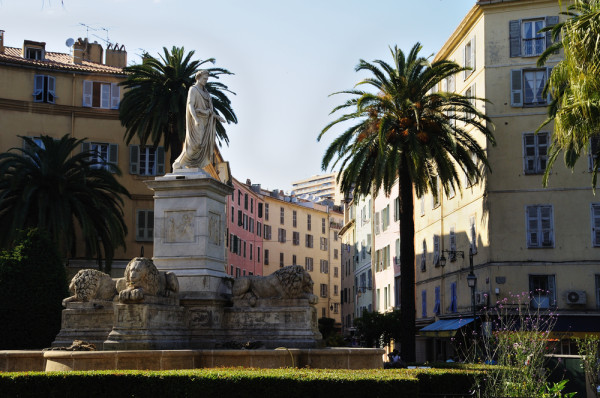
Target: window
x,y
324,266
469,57
309,240
308,263
251,205
436,250
323,290
308,222
258,229
101,153
527,86
281,262
424,256
294,218
453,243
251,251
596,224
472,235
543,291
453,298
232,214
471,94
296,238
435,199
266,211
260,210
258,254
535,150
323,243
335,272
526,39
436,307
245,201
385,218
322,225
240,218
267,234
237,272
281,235
266,257
146,161
376,223
144,228
44,88
593,152
34,53
293,259
101,95
282,216
335,254
539,226
424,303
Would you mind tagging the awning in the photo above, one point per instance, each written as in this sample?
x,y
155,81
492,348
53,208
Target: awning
x,y
444,327
572,326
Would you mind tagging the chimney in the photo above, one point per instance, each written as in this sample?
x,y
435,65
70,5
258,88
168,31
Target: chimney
x,y
79,47
116,56
1,41
86,51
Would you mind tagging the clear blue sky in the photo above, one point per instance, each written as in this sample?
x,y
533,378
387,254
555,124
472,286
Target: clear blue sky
x,y
287,56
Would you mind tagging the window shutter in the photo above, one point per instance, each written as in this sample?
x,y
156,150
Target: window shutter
x,y
529,162
134,159
453,298
532,226
160,160
436,249
548,73
141,217
85,147
473,63
38,88
546,226
596,224
113,153
436,308
514,28
88,88
516,90
550,21
50,95
424,303
105,96
115,92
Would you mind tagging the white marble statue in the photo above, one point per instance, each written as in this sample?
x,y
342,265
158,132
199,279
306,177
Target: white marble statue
x,y
200,131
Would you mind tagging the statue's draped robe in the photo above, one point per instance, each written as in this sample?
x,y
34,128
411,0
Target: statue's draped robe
x,y
198,147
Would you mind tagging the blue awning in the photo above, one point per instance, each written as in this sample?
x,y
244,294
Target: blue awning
x,y
445,327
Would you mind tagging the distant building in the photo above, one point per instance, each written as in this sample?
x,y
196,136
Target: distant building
x,y
318,188
348,264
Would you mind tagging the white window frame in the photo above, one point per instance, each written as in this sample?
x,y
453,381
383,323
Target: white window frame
x,y
534,222
44,87
517,87
469,58
595,223
102,152
110,94
528,49
139,160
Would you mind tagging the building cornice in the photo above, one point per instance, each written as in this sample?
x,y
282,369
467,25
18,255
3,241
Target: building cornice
x,y
60,110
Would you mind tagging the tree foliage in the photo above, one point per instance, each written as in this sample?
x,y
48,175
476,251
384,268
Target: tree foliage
x,y
575,86
33,283
406,132
375,329
56,187
154,106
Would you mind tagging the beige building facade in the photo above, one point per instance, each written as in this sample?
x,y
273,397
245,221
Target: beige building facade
x,y
307,234
522,237
49,93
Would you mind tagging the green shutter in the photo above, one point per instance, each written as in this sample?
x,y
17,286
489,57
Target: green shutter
x,y
134,159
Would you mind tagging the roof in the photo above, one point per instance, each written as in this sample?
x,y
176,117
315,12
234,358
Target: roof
x,y
56,61
445,327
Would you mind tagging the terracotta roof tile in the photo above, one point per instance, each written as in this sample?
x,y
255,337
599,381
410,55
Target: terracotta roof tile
x,y
56,61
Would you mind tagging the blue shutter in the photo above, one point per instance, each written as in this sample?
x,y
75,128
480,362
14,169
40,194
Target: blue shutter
x,y
453,298
114,95
550,21
85,147
516,87
514,28
38,88
88,89
51,89
134,159
436,308
113,154
424,303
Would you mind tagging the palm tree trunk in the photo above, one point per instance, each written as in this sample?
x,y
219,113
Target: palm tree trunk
x,y
175,146
407,264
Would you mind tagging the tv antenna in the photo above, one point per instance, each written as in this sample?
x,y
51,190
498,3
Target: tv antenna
x,y
87,32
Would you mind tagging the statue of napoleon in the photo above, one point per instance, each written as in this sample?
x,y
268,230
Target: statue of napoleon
x,y
200,130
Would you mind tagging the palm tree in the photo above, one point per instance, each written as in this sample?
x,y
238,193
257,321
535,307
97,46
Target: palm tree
x,y
54,187
407,132
575,86
153,107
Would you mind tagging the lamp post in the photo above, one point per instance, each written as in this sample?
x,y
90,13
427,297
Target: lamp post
x,y
472,282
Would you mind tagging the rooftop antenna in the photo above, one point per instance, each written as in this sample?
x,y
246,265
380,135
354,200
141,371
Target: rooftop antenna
x,y
87,32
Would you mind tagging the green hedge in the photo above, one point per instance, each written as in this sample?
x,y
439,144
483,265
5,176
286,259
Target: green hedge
x,y
239,382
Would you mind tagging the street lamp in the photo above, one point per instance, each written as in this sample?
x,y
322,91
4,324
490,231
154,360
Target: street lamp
x,y
472,281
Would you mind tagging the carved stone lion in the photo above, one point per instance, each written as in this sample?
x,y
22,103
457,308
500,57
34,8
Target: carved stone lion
x,y
291,282
143,279
91,284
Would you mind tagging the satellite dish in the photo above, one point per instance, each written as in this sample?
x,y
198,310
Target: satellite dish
x,y
69,42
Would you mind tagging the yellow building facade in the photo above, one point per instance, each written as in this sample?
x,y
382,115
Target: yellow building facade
x,y
49,93
306,234
523,237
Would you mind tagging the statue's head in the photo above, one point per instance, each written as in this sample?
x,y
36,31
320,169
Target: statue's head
x,y
202,73
142,273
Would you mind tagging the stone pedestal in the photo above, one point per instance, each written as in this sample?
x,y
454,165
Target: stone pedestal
x,y
89,321
273,322
156,324
189,232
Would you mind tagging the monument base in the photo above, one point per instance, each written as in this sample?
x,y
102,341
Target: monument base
x,y
156,324
89,321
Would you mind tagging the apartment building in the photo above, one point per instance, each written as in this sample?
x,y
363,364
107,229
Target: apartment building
x,y
245,209
519,236
363,273
50,93
297,232
348,264
318,188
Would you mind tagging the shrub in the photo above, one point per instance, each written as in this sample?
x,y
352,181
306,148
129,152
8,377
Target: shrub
x,y
32,285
